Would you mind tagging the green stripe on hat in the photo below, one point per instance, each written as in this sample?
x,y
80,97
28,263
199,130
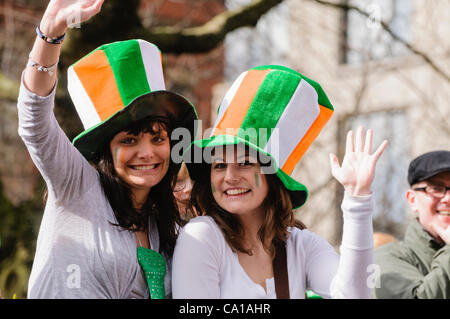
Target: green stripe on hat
x,y
130,77
269,103
322,99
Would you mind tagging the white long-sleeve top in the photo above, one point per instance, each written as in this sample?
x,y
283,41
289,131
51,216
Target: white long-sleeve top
x,y
205,266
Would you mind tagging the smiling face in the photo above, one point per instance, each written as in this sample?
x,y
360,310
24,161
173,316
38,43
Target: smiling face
x,y
141,159
431,210
237,184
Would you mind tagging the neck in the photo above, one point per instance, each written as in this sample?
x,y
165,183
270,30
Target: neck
x,y
139,197
251,224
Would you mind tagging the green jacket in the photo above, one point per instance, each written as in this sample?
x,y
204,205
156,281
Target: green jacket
x,y
417,267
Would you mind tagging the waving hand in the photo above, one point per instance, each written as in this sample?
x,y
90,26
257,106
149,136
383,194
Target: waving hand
x,y
61,13
358,166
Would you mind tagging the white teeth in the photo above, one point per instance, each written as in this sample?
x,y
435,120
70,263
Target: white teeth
x,y
235,191
445,212
141,168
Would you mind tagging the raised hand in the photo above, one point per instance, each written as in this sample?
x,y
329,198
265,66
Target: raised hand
x,y
358,167
61,13
57,17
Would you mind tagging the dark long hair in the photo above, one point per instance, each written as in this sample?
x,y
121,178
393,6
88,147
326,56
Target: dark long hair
x,y
160,207
278,213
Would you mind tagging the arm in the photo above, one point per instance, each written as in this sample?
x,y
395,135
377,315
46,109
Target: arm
x,y
50,149
351,280
356,175
332,276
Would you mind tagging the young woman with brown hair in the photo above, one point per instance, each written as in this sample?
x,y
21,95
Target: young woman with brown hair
x,y
267,120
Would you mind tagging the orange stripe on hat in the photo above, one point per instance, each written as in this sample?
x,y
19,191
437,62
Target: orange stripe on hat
x,y
97,78
239,105
308,138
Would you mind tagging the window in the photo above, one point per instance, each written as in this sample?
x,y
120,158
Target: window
x,y
267,43
364,38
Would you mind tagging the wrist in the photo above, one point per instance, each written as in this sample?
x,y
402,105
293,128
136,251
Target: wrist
x,y
50,39
52,30
357,191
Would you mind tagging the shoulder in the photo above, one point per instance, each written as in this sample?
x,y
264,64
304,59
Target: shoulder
x,y
200,238
202,228
201,223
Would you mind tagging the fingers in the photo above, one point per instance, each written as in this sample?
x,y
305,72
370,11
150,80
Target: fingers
x,y
334,161
364,145
349,146
368,143
334,164
360,145
93,9
380,150
360,139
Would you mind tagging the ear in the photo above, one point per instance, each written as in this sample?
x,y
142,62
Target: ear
x,y
411,199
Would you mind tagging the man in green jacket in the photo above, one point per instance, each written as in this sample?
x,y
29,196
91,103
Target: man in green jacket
x,y
419,266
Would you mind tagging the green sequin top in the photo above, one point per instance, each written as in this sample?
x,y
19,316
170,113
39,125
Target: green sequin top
x,y
154,266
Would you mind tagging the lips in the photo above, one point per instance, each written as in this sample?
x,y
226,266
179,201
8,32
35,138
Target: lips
x,y
143,167
236,191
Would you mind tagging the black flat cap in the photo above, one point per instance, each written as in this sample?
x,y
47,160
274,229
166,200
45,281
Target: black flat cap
x,y
428,165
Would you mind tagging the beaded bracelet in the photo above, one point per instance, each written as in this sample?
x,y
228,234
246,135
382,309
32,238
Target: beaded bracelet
x,y
47,39
41,68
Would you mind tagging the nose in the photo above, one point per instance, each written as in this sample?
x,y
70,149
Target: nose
x,y
231,174
446,198
145,149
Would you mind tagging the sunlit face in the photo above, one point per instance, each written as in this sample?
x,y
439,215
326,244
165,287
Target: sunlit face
x,y
141,160
237,184
431,210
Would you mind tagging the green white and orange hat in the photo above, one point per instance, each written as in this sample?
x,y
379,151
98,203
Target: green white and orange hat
x,y
120,83
286,107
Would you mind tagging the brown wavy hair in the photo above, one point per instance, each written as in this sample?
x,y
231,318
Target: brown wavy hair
x,y
278,213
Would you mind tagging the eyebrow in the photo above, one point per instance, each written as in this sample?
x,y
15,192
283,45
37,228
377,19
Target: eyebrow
x,y
217,158
440,184
251,159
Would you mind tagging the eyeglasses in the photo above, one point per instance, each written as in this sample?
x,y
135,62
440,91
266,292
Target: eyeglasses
x,y
433,190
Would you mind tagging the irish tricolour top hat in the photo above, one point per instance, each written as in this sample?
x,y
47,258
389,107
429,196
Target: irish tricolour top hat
x,y
286,107
120,83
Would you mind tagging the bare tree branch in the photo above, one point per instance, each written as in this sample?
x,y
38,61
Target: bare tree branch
x,y
346,6
208,36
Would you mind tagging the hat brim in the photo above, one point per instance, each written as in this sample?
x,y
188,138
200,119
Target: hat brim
x,y
157,103
196,164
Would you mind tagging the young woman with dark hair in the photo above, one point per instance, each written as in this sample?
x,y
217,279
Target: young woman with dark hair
x,y
110,222
159,207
